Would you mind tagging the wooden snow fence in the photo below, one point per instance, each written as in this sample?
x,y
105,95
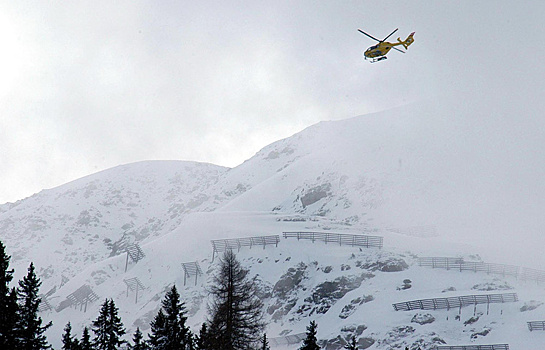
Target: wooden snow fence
x,y
44,304
473,347
455,302
338,238
521,273
135,253
536,326
82,296
135,285
191,269
222,245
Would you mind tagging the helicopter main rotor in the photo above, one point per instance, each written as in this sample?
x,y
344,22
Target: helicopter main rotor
x,y
383,40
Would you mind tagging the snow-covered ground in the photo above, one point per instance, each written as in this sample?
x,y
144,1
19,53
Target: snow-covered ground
x,y
432,179
363,298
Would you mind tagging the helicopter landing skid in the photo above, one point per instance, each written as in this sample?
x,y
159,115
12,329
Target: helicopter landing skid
x,y
379,59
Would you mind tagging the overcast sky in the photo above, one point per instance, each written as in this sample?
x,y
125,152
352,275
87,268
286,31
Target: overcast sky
x,y
88,85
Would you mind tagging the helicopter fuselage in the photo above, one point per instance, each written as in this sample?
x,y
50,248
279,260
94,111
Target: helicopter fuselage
x,y
378,52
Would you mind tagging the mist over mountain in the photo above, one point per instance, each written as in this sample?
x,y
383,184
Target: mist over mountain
x,y
439,177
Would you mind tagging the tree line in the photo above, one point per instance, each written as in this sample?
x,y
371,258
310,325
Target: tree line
x,y
234,322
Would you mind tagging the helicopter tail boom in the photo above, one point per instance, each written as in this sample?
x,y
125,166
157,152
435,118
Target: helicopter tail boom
x,y
407,41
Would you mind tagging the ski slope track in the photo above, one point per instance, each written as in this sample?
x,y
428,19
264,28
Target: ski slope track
x,y
434,179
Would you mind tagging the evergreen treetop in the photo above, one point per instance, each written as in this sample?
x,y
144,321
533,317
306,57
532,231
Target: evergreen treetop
x,y
310,342
30,331
8,303
138,342
69,342
6,275
265,343
169,330
203,342
85,343
108,328
158,334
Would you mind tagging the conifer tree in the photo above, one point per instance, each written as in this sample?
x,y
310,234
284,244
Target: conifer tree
x,y
138,342
310,342
108,328
352,345
8,303
11,336
179,335
158,335
236,312
30,331
169,327
6,275
85,343
202,341
69,342
265,343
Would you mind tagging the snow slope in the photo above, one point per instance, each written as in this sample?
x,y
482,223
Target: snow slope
x,y
434,179
346,290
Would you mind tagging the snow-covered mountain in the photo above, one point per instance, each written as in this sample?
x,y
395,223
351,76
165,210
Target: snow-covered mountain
x,y
430,178
86,220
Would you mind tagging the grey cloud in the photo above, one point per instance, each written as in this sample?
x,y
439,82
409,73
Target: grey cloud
x,y
103,83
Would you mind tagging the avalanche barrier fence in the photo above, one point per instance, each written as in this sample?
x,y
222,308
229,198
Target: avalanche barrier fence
x,y
455,302
521,273
82,296
221,245
339,238
474,347
191,269
536,326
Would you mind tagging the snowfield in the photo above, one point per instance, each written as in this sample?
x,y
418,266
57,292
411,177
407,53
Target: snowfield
x,y
411,175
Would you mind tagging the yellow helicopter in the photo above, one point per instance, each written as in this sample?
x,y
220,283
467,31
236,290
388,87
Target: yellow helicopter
x,y
378,52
